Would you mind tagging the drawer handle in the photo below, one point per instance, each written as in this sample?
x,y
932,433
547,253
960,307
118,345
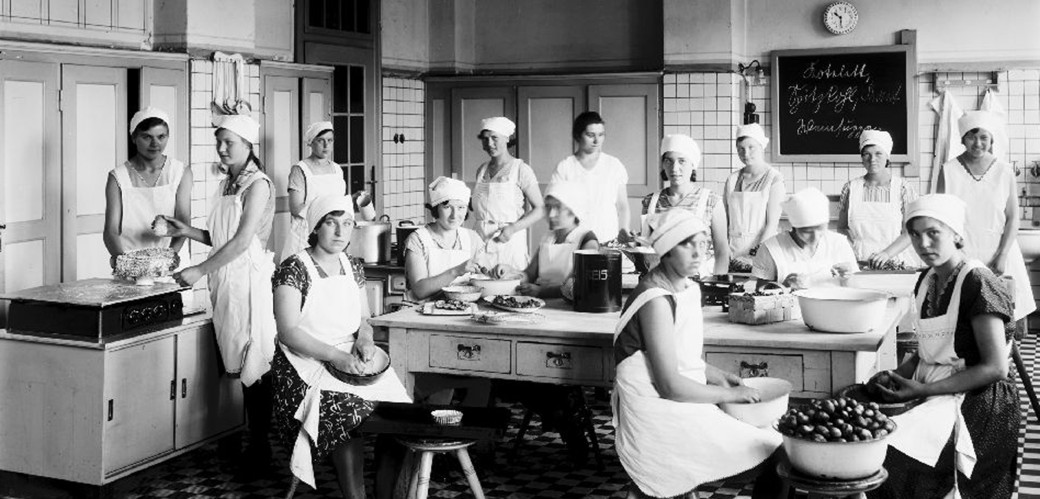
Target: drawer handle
x,y
754,370
111,409
184,387
560,360
471,353
173,389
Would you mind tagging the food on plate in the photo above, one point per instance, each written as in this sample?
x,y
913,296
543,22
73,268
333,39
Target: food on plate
x,y
451,305
160,226
888,265
515,302
839,419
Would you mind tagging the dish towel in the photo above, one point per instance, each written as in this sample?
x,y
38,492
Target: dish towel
x,y
991,103
947,140
924,430
307,413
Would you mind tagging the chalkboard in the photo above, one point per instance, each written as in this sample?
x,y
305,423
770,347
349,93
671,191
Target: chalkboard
x,y
822,99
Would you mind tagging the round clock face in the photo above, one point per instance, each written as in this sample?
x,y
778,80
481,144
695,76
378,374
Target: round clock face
x,y
840,17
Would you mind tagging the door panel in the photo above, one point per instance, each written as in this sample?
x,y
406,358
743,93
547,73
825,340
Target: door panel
x,y
281,145
208,402
94,140
316,105
469,107
167,89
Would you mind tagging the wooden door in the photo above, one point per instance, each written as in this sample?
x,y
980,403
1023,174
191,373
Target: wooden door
x,y
546,118
468,107
94,139
633,132
138,403
167,89
30,176
208,401
281,146
315,105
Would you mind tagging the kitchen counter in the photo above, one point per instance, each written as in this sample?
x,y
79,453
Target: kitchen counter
x,y
569,347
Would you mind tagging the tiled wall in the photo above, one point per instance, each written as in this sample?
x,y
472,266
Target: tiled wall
x,y
404,187
203,152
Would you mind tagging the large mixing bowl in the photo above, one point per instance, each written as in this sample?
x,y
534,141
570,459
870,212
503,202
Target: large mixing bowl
x,y
837,460
775,393
842,310
493,287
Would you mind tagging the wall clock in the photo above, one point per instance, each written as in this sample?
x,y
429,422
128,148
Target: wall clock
x,y
840,18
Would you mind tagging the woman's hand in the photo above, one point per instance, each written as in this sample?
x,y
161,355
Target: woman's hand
x,y
176,228
348,362
999,264
529,289
500,270
745,394
467,267
795,281
505,234
879,259
731,379
624,236
364,349
903,389
188,276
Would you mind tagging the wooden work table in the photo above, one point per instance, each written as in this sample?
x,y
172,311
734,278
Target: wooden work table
x,y
570,347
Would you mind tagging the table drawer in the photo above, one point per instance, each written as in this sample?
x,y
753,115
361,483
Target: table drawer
x,y
750,365
470,354
559,361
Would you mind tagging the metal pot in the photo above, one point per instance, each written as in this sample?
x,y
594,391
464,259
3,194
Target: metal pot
x,y
370,241
404,229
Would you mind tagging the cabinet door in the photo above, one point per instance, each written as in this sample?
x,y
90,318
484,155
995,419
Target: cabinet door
x,y
138,403
208,401
281,146
167,89
376,290
468,107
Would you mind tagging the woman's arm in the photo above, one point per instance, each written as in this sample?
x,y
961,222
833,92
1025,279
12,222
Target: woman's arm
x,y
1011,223
533,196
720,238
287,315
182,206
656,322
716,376
772,227
297,191
623,212
113,216
424,286
843,211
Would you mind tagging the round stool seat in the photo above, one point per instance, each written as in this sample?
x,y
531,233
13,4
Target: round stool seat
x,y
434,444
833,488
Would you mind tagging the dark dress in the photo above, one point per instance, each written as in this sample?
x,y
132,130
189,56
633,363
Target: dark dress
x,y
340,413
991,413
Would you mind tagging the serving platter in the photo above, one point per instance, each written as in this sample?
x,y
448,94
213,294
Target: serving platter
x,y
537,303
430,308
495,317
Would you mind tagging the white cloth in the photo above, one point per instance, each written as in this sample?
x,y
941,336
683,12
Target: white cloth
x,y
814,267
754,131
601,185
314,130
984,223
444,189
746,213
986,120
556,260
240,124
673,227
142,204
946,208
924,430
875,225
667,447
439,259
331,314
323,205
317,186
240,292
148,112
573,196
700,210
495,206
1001,142
684,145
499,124
878,138
948,139
807,208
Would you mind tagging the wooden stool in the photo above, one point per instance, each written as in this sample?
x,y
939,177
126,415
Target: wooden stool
x,y
419,486
818,487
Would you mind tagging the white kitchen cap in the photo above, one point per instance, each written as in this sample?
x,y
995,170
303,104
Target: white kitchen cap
x,y
684,145
754,131
807,208
572,195
315,130
148,112
946,208
242,125
499,124
444,189
877,138
985,120
672,227
324,205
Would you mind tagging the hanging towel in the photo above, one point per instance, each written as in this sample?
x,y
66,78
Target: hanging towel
x,y
991,103
948,139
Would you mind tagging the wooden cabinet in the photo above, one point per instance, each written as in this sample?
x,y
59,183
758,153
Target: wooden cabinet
x,y
92,413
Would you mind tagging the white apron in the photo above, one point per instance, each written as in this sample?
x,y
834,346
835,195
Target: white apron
x,y
317,186
331,314
240,292
440,259
924,430
700,210
556,260
875,225
984,223
142,204
747,216
815,269
496,205
667,447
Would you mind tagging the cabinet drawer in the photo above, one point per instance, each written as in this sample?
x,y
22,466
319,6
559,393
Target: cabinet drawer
x,y
750,365
398,284
559,361
469,354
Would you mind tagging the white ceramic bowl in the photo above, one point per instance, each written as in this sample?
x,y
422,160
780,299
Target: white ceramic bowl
x,y
837,460
492,287
775,393
896,283
462,293
842,310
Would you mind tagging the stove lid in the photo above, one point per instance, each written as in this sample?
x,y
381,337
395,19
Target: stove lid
x,y
99,293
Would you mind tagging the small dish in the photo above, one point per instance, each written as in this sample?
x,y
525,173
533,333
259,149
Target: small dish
x,y
532,303
447,417
462,293
496,318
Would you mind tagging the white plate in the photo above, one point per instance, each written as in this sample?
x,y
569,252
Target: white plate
x,y
430,308
490,300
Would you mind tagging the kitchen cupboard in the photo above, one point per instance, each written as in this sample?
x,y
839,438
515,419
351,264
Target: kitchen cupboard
x,y
92,413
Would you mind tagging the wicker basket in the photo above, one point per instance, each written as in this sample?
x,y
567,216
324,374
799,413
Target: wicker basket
x,y
755,308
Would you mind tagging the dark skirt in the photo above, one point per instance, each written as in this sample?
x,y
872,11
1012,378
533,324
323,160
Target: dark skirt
x,y
992,415
339,413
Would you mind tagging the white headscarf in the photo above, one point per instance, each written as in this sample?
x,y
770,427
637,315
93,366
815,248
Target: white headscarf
x,y
684,145
315,130
672,227
324,205
946,208
572,195
444,188
981,119
754,131
148,112
877,138
807,208
242,125
499,124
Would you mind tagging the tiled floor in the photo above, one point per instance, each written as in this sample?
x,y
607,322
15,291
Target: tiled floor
x,y
541,471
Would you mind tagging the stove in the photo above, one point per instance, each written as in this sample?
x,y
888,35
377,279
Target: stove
x,y
94,309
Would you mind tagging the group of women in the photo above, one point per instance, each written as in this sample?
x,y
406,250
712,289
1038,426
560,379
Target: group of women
x,y
276,326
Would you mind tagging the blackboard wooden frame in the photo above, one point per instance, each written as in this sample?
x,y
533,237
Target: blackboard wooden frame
x,y
909,87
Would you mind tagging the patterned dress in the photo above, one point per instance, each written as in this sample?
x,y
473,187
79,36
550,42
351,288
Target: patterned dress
x,y
340,413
